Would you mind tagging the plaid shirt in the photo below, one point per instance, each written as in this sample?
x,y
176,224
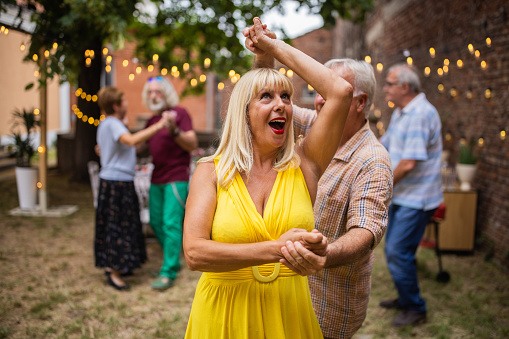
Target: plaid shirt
x,y
354,191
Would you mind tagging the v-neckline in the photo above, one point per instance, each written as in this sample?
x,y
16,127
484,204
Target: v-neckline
x,y
271,195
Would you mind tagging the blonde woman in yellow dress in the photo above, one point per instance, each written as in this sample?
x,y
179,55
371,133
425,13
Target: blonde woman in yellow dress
x,y
255,194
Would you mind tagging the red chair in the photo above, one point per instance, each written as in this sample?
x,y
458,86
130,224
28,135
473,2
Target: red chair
x,y
436,219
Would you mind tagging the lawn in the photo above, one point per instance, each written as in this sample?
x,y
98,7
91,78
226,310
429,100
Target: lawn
x,y
51,289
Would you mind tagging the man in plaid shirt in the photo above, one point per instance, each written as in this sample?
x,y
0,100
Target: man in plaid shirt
x,y
351,210
351,207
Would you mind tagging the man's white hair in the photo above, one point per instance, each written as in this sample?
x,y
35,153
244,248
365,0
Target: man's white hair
x,y
363,74
170,95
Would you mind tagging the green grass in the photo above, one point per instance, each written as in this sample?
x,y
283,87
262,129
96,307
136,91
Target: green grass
x,y
51,289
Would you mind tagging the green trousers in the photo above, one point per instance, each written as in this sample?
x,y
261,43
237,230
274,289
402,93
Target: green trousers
x,y
166,206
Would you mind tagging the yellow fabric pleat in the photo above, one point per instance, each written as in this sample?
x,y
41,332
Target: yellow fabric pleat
x,y
234,304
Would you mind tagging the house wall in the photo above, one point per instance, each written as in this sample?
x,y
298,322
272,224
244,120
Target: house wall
x,y
449,26
14,76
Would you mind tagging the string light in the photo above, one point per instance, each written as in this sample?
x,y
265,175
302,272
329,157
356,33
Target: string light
x,y
109,58
36,73
150,68
138,70
125,63
471,48
55,46
409,61
185,67
289,73
469,94
448,137
203,78
35,57
176,74
459,63
107,68
88,62
446,69
378,113
427,71
487,93
440,72
488,42
480,142
453,92
390,104
484,64
6,31
379,67
220,86
155,57
432,52
446,62
131,76
36,111
441,88
206,62
477,53
310,88
174,69
194,82
87,53
164,71
105,51
22,47
39,184
282,71
379,125
502,135
367,58
46,53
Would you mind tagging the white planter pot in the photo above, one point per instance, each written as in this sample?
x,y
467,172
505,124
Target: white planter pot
x,y
465,174
26,180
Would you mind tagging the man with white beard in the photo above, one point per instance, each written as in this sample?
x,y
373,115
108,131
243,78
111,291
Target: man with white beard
x,y
170,149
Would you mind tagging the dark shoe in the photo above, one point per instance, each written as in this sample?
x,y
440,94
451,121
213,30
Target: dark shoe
x,y
393,303
126,287
409,317
127,273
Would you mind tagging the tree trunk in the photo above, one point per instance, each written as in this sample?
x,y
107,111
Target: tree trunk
x,y
89,80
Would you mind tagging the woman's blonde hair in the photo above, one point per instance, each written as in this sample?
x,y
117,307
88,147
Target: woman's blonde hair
x,y
236,149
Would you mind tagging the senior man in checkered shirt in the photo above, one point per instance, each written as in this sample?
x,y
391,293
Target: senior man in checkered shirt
x,y
351,210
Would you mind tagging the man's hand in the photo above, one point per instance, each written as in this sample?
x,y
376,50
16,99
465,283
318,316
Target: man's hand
x,y
168,118
301,260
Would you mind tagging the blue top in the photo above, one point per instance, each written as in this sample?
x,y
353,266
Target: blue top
x,y
117,160
415,133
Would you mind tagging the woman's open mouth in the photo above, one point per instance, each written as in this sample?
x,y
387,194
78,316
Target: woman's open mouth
x,y
278,125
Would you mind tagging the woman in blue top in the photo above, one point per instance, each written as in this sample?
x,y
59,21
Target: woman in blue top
x,y
119,242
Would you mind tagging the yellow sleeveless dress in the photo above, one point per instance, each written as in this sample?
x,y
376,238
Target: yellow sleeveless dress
x,y
239,304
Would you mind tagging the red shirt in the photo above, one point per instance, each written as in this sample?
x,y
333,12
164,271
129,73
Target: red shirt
x,y
171,162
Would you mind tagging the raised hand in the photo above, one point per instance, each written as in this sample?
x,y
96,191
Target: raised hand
x,y
249,42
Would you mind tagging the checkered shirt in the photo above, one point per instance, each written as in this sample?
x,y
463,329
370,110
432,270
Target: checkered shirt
x,y
354,191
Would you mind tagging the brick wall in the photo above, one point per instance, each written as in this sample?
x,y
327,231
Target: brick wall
x,y
449,26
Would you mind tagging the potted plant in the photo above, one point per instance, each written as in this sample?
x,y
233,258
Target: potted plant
x,y
467,164
24,125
